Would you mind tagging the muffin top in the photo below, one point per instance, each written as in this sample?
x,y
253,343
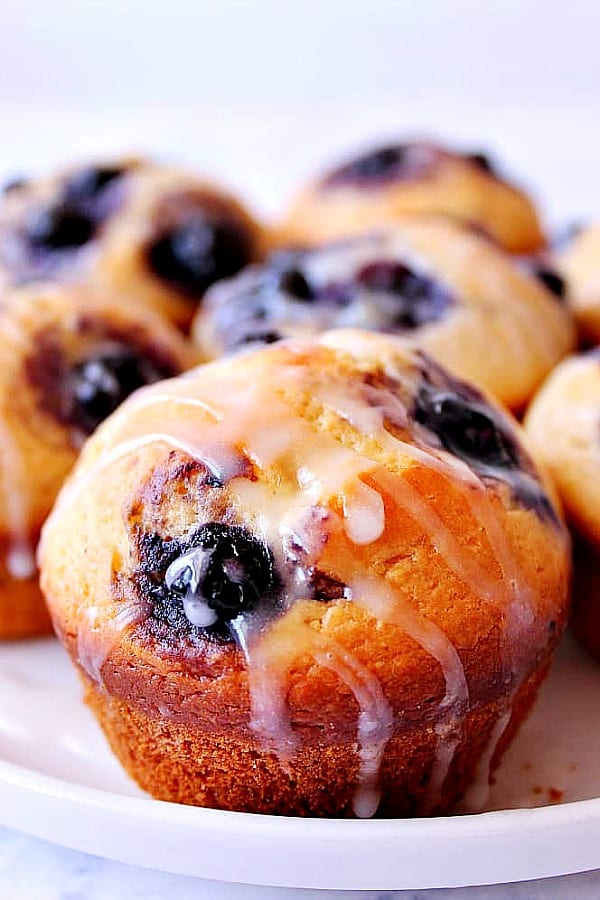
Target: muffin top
x,y
433,281
154,233
386,183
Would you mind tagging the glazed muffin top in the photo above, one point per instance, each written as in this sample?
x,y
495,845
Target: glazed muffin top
x,y
156,234
235,531
420,177
563,425
432,280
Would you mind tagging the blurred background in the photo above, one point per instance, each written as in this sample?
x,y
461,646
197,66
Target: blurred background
x,y
261,93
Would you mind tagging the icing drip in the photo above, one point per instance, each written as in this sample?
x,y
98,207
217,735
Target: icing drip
x,y
477,795
364,514
269,663
389,606
303,467
98,633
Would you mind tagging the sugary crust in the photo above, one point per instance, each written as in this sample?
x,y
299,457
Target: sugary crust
x,y
195,692
115,260
579,263
41,329
455,187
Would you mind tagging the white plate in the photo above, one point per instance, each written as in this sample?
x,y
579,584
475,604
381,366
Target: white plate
x,y
59,781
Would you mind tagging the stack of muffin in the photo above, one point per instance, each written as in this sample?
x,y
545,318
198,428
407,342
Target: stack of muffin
x,y
323,572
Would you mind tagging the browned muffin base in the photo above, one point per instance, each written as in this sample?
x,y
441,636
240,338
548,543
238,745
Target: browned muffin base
x,y
23,612
173,762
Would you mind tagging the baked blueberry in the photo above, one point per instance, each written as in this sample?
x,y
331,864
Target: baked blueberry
x,y
95,387
86,184
227,572
466,429
482,161
58,227
421,299
551,279
293,282
388,163
198,251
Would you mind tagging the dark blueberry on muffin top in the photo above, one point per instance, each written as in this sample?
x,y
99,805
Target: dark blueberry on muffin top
x,y
397,162
551,279
198,251
482,161
97,386
421,299
466,430
226,573
58,227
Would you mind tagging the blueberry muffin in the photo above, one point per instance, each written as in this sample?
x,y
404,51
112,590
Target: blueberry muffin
x,y
297,581
579,263
67,359
431,280
155,235
563,425
390,182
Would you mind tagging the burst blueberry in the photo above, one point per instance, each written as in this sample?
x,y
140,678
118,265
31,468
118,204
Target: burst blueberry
x,y
421,299
394,162
198,251
466,429
227,572
85,185
96,386
58,227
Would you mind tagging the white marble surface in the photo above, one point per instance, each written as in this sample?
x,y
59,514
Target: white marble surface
x,y
35,870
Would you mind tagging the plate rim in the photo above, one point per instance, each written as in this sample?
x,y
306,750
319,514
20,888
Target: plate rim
x,y
530,827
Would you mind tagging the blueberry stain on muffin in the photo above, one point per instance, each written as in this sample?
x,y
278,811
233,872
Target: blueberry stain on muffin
x,y
421,299
13,184
58,227
86,184
325,587
394,162
270,302
550,279
482,161
200,249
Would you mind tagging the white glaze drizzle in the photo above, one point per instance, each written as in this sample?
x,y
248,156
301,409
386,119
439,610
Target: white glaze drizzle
x,y
364,514
269,662
324,470
389,606
478,793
